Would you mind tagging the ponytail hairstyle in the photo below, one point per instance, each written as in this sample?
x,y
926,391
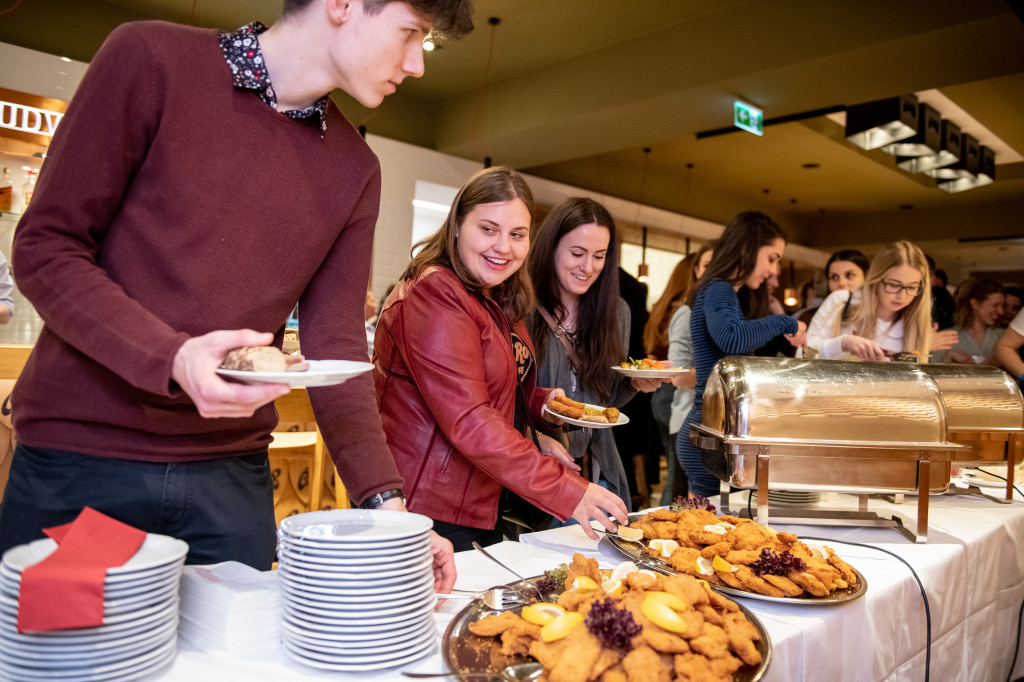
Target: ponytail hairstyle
x,y
515,295
917,317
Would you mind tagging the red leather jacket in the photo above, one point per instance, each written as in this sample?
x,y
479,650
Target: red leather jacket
x,y
446,387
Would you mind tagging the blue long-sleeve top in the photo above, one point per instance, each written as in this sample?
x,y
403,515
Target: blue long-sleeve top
x,y
719,330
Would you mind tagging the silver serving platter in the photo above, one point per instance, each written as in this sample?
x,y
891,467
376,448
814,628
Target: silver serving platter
x,y
632,551
465,652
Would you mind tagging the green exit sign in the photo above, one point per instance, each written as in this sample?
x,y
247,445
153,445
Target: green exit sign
x,y
748,118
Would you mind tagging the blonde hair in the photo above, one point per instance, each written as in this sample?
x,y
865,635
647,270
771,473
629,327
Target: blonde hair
x,y
917,317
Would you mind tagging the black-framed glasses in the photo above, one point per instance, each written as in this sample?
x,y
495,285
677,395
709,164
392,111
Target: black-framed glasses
x,y
891,287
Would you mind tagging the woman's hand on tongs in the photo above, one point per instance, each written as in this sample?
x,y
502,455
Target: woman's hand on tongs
x,y
599,504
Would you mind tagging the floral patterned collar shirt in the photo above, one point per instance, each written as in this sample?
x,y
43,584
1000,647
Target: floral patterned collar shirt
x,y
243,55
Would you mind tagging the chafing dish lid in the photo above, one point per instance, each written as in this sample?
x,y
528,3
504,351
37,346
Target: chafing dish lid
x,y
978,397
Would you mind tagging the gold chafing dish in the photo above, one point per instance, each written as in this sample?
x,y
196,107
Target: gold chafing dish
x,y
824,425
985,411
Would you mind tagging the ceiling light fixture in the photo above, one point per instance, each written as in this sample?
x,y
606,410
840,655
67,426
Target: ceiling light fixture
x,y
926,141
984,173
871,125
950,143
965,167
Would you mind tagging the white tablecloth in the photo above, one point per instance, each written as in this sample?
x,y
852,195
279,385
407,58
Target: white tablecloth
x,y
972,568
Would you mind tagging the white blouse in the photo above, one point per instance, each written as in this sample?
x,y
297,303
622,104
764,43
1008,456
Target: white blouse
x,y
888,335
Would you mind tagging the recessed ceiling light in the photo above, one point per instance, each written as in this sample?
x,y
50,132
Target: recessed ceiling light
x,y
65,59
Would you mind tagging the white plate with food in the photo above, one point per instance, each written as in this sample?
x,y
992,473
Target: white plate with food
x,y
320,373
586,420
665,373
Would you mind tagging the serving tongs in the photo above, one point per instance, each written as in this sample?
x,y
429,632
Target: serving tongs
x,y
476,546
645,560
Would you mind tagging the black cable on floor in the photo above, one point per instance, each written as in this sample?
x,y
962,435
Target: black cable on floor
x,y
924,597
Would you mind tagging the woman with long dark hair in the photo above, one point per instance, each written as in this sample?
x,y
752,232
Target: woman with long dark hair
x,y
747,253
581,326
455,373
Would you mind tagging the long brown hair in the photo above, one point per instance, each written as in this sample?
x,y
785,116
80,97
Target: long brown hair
x,y
597,342
917,317
500,183
680,282
736,257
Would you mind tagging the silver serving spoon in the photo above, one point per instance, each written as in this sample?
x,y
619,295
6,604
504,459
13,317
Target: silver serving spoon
x,y
519,672
476,546
498,598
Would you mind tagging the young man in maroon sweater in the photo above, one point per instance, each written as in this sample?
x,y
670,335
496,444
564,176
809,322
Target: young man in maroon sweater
x,y
188,201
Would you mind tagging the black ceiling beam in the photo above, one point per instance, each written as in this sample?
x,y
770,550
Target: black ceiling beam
x,y
802,116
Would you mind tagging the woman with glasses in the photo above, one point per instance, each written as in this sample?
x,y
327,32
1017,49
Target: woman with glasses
x,y
894,315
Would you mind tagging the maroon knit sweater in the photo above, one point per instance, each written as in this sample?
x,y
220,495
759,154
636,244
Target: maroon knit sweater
x,y
172,204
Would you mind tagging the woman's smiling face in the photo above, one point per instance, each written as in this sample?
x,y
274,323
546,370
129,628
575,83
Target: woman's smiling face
x,y
580,257
493,240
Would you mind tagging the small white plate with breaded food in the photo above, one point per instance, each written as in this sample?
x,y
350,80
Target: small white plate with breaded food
x,y
585,414
268,365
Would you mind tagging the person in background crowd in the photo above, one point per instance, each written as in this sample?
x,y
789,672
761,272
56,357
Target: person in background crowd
x,y
943,303
844,271
6,291
893,315
1014,296
456,377
1009,350
668,335
747,253
979,306
581,327
638,440
148,277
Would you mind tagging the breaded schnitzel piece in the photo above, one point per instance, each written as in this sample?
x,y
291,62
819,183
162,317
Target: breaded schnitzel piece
x,y
564,410
684,560
742,637
713,642
788,587
506,621
664,515
697,668
643,664
751,582
686,588
582,651
582,566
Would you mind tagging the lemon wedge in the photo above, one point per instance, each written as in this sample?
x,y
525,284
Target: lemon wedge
x,y
817,551
648,572
613,588
660,614
542,613
704,566
622,570
720,564
717,529
561,626
668,599
668,547
583,583
631,533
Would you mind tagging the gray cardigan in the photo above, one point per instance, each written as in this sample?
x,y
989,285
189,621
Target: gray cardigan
x,y
553,371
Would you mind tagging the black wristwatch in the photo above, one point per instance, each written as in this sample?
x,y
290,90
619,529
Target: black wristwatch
x,y
374,501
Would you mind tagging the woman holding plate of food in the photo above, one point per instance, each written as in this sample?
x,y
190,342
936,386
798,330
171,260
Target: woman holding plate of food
x,y
456,378
581,326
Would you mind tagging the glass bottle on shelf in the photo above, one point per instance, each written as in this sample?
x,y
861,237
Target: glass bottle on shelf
x,y
6,190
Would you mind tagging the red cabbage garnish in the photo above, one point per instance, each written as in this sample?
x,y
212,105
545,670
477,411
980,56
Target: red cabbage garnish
x,y
553,580
613,626
772,563
680,503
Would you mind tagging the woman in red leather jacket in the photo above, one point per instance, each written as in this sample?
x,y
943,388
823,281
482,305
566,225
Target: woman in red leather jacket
x,y
455,379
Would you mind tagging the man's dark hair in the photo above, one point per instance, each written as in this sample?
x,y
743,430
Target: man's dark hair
x,y
451,19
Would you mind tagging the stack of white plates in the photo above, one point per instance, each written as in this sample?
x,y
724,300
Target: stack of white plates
x,y
140,619
358,588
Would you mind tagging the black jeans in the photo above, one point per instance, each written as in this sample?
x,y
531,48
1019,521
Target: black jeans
x,y
462,537
223,508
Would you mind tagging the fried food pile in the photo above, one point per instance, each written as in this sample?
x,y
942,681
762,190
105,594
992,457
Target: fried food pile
x,y
709,641
566,407
750,556
263,359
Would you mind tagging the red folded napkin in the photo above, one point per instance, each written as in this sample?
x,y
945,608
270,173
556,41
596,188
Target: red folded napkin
x,y
65,590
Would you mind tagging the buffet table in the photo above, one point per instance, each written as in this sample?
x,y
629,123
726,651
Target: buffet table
x,y
972,568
